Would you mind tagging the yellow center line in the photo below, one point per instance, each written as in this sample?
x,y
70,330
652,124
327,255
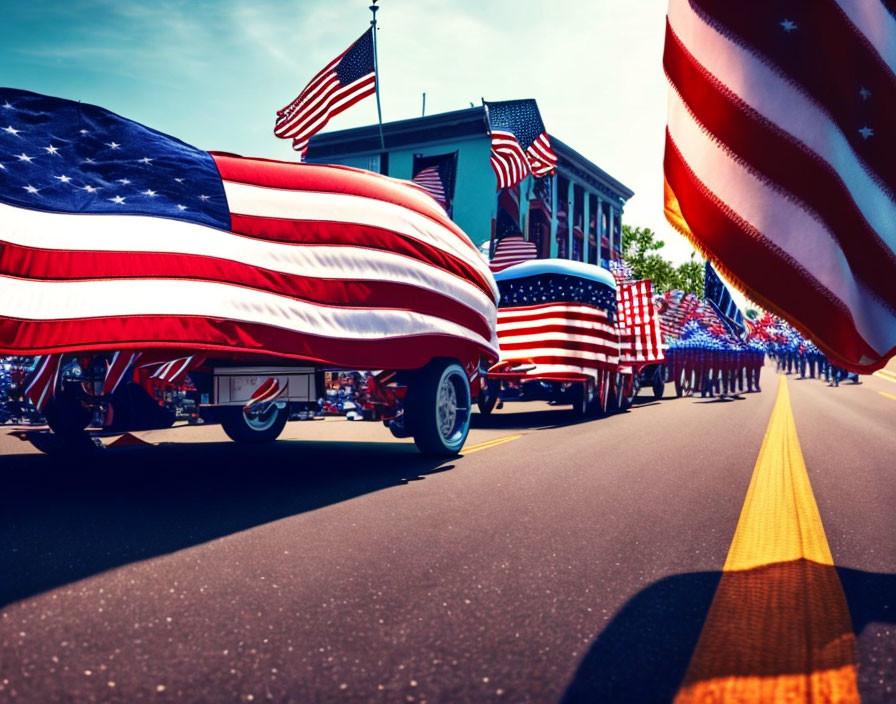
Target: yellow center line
x,y
778,628
890,396
489,443
886,375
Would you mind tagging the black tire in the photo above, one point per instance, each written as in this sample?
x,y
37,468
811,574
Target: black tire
x,y
659,384
439,402
488,396
252,429
582,399
626,401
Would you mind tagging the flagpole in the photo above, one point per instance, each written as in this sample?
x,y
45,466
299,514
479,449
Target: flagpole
x,y
376,70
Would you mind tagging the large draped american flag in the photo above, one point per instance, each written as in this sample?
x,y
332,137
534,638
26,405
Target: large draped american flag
x,y
346,80
779,159
559,318
117,237
520,142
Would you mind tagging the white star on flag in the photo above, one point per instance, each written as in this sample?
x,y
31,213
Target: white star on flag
x,y
124,181
149,192
788,25
24,157
146,160
113,145
63,178
54,151
866,132
865,93
181,207
117,199
31,189
11,130
90,189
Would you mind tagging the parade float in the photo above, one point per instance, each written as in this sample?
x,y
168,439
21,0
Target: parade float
x,y
143,274
570,333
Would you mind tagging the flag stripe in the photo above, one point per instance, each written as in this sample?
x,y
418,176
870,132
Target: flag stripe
x,y
330,179
804,56
781,222
744,249
221,337
780,103
787,165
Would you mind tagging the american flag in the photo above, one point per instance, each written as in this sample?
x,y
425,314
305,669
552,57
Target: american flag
x,y
639,324
512,250
346,80
520,143
719,297
779,160
119,238
558,320
430,181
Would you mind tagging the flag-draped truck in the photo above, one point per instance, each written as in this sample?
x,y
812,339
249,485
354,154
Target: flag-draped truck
x,y
142,271
568,331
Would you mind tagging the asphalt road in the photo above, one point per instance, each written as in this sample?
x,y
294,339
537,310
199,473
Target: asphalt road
x,y
570,562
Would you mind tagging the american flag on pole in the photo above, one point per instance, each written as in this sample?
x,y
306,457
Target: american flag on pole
x,y
346,80
639,324
719,297
117,237
520,143
558,317
779,159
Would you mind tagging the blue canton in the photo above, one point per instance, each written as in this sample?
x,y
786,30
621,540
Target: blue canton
x,y
63,156
358,60
520,117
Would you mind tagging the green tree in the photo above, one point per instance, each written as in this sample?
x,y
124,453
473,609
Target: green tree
x,y
641,249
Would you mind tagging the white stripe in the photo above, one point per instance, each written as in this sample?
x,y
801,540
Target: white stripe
x,y
874,21
245,199
73,300
38,373
782,222
519,312
134,233
542,322
776,99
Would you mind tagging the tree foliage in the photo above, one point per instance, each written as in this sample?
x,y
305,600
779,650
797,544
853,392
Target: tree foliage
x,y
642,250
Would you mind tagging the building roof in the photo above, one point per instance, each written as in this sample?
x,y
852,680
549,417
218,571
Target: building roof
x,y
446,127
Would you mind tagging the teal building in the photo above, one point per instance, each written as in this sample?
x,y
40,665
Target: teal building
x,y
575,214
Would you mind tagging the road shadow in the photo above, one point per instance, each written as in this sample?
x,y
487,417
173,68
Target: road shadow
x,y
643,655
65,519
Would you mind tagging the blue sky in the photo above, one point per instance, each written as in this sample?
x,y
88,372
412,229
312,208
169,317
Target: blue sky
x,y
213,73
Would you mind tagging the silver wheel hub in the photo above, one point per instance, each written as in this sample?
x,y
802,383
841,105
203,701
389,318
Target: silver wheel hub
x,y
447,407
260,417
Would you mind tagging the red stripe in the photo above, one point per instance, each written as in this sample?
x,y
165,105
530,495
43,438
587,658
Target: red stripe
x,y
590,347
240,340
767,273
785,163
57,265
334,104
338,233
332,178
828,57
